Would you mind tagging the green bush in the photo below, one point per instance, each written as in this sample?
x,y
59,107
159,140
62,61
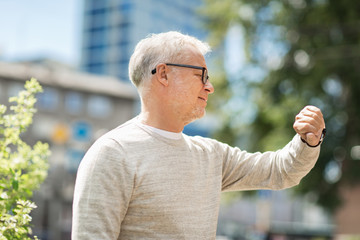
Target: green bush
x,y
22,167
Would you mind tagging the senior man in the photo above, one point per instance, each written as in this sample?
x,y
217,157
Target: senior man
x,y
147,180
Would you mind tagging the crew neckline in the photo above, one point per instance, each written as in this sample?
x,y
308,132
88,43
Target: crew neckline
x,y
161,132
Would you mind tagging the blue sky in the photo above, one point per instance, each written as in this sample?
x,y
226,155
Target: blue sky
x,y
40,28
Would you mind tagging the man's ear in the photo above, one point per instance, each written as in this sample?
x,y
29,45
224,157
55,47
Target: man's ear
x,y
161,74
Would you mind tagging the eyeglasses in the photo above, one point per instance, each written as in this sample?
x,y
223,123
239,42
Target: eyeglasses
x,y
204,75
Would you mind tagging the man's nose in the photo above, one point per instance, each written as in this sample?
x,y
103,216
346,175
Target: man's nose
x,y
209,87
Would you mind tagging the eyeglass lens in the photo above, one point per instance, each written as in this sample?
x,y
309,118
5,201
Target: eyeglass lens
x,y
205,76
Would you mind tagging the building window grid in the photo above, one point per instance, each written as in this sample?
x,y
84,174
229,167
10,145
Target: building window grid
x,y
97,4
96,68
95,58
99,20
96,37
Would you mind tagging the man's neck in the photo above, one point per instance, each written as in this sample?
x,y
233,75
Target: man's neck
x,y
161,121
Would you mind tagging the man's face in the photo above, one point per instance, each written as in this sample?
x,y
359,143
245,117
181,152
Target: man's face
x,y
189,93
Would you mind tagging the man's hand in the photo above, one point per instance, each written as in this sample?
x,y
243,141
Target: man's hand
x,y
309,124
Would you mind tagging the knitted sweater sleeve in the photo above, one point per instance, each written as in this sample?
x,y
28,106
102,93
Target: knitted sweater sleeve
x,y
269,170
99,206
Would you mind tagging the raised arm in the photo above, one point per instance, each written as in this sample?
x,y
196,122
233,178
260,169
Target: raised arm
x,y
280,169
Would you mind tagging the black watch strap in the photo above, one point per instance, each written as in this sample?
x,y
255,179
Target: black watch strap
x,y
321,139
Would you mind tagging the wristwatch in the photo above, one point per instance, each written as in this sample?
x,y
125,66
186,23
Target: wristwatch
x,y
321,139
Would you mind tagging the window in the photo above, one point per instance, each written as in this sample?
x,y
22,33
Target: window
x,y
98,68
48,99
98,19
74,103
96,37
96,55
99,106
96,4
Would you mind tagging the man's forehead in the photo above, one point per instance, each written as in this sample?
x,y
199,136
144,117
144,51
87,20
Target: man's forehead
x,y
195,57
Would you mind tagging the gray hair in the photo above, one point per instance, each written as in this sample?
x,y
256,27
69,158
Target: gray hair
x,y
160,48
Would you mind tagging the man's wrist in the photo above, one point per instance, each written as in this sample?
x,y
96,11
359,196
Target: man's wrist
x,y
320,141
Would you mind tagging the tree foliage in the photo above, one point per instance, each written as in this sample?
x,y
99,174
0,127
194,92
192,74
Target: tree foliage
x,y
308,53
22,167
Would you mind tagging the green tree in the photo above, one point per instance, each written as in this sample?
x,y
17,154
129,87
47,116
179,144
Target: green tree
x,y
22,168
307,53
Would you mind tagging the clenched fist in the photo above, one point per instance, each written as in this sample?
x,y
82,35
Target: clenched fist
x,y
309,124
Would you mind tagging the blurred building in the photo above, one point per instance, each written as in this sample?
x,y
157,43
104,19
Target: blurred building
x,y
111,29
275,215
348,215
74,109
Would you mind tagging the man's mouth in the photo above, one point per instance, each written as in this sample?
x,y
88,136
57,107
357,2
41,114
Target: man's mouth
x,y
204,99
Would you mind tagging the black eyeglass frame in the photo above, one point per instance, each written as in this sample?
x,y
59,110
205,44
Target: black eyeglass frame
x,y
204,75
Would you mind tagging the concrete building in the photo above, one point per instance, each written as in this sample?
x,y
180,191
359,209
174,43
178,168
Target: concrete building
x,y
74,109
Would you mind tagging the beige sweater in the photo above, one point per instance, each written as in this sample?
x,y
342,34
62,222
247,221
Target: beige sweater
x,y
135,184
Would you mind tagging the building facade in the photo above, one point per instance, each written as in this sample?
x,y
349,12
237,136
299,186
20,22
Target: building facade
x,y
73,110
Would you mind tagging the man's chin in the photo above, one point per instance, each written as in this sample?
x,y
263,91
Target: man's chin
x,y
199,113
